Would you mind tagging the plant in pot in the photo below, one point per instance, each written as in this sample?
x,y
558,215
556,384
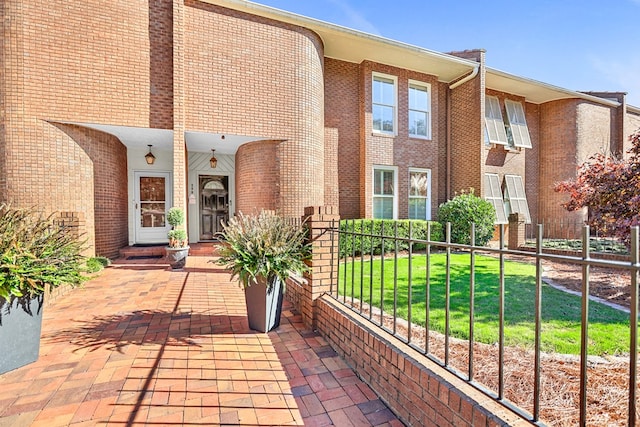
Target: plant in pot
x,y
178,248
263,251
36,254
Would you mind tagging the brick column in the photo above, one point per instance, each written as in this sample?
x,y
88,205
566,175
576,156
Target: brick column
x,y
516,230
319,220
179,149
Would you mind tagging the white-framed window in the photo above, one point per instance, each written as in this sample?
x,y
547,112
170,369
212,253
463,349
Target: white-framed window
x,y
385,190
419,194
493,194
384,104
494,124
515,199
419,110
518,124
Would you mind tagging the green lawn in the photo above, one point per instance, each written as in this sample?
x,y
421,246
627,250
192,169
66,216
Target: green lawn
x,y
608,328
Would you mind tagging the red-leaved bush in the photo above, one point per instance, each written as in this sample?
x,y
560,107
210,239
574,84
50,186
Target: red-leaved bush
x,y
610,188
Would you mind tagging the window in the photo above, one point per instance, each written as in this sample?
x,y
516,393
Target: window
x,y
494,125
493,194
384,104
518,124
420,194
419,107
384,192
515,199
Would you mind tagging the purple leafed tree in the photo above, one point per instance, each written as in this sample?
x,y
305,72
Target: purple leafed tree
x,y
609,187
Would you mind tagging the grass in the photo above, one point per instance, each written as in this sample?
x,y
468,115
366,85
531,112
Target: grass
x,y
608,328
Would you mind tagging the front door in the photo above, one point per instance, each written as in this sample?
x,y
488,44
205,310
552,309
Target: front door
x,y
214,204
153,199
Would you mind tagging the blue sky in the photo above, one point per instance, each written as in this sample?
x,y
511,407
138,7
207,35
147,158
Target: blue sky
x,y
576,44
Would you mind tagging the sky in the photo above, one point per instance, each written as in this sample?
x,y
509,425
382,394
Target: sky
x,y
582,45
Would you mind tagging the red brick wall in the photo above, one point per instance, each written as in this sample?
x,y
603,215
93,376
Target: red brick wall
x,y
342,113
467,136
558,135
418,390
79,62
399,150
258,177
253,76
109,159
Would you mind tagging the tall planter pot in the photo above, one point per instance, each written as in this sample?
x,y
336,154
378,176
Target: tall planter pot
x,y
20,326
264,304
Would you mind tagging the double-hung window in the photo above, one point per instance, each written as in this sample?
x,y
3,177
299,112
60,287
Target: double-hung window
x,y
384,102
495,132
517,124
385,189
515,199
420,194
419,110
493,194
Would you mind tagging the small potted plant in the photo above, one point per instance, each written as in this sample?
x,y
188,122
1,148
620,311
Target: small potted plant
x,y
263,251
178,248
36,255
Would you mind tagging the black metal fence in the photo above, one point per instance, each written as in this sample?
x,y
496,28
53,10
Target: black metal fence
x,y
401,283
567,235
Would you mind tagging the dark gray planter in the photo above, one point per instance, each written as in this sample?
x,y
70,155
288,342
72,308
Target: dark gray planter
x,y
177,257
264,306
20,326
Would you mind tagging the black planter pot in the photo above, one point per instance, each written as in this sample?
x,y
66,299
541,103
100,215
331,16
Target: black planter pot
x,y
264,304
177,257
20,326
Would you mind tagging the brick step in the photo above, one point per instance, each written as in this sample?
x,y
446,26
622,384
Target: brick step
x,y
195,249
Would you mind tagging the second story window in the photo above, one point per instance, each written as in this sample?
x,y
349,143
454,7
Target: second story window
x,y
384,104
419,108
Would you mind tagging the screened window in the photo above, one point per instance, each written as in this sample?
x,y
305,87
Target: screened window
x,y
384,104
515,200
493,194
384,193
419,108
494,124
419,194
518,124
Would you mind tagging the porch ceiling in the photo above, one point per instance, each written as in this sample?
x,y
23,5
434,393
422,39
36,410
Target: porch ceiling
x,y
162,139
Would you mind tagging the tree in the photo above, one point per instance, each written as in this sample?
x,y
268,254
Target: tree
x,y
609,187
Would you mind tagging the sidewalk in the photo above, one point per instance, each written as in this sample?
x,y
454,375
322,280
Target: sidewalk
x,y
142,345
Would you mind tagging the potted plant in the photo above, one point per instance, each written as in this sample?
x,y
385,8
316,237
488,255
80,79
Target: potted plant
x,y
263,251
36,254
178,248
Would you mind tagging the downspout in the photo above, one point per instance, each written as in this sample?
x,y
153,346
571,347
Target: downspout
x,y
452,86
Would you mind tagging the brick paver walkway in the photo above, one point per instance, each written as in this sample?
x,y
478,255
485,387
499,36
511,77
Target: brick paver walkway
x,y
143,345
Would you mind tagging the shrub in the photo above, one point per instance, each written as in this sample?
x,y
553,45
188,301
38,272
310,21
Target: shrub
x,y
35,252
96,264
175,216
359,240
462,211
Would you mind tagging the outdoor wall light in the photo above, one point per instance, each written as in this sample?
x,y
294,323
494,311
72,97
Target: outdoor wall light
x,y
213,161
149,157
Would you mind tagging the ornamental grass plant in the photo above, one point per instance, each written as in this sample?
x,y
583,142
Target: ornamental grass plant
x,y
263,245
36,252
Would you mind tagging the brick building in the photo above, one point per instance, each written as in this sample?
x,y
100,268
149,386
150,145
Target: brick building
x,y
299,113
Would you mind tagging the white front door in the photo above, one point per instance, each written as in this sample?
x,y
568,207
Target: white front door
x,y
152,201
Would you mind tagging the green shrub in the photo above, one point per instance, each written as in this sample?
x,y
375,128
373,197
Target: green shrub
x,y
359,240
462,211
97,263
35,252
175,216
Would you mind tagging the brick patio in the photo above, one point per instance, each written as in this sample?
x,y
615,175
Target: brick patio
x,y
143,345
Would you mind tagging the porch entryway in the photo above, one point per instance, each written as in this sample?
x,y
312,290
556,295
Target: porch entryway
x,y
214,204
